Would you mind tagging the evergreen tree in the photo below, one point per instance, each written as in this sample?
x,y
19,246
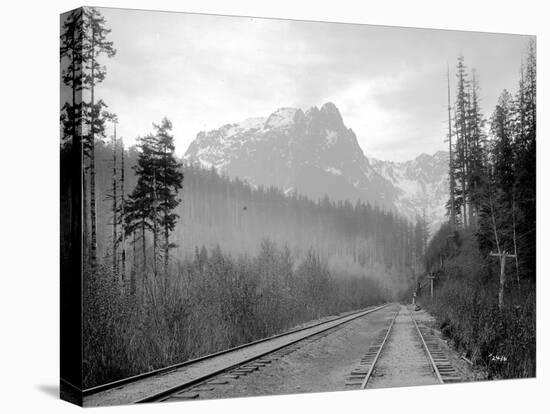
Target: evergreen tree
x,y
139,211
71,57
462,137
503,156
525,160
477,154
154,199
468,160
71,119
169,182
94,44
113,196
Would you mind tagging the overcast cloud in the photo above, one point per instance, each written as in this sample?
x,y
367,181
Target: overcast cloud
x,y
205,71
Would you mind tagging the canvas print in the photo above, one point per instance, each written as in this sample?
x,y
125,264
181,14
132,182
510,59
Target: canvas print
x,y
255,206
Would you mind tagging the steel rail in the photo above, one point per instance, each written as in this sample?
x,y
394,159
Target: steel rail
x,y
168,392
371,369
432,362
115,384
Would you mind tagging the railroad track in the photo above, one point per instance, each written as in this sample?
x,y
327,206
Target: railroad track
x,y
189,377
360,376
439,364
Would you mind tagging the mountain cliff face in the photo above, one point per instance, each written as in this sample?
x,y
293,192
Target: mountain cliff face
x,y
314,153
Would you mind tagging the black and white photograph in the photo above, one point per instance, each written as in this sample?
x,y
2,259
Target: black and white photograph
x,y
261,206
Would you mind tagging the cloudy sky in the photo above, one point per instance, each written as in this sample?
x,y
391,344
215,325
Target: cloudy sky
x,y
206,71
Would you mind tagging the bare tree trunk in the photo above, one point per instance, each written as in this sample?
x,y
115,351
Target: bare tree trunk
x,y
166,249
93,252
115,199
155,224
143,246
86,241
123,212
93,222
166,230
493,221
515,242
464,205
133,272
502,255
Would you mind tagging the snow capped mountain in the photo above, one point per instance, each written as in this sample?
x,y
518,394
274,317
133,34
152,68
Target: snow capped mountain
x,y
422,184
314,153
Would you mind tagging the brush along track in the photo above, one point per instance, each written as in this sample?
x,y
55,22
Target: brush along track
x,y
403,354
160,384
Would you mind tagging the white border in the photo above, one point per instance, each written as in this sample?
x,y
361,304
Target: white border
x,y
29,202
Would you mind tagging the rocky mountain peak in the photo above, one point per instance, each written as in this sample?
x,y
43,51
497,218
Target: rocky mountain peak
x,y
330,111
282,117
313,153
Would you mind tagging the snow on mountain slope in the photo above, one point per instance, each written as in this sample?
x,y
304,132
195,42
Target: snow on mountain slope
x,y
422,183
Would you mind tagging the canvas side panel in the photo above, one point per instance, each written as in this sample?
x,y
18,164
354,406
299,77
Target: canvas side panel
x,y
71,240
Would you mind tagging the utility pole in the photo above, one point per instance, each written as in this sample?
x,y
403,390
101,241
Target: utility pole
x,y
501,254
431,279
415,287
450,139
502,257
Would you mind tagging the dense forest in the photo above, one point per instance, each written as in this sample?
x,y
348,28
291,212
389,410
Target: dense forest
x,y
485,258
179,261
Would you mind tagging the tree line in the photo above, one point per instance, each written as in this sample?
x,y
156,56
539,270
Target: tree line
x,y
493,170
85,122
485,257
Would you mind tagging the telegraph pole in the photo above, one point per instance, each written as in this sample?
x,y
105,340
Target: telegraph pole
x,y
502,257
431,278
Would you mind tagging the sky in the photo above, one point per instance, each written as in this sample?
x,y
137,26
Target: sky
x,y
204,71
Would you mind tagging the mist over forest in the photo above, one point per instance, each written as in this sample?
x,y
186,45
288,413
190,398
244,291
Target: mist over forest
x,y
353,239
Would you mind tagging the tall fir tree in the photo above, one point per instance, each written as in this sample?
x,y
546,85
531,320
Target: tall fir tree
x,y
525,160
477,154
153,201
169,182
139,209
462,137
94,45
71,120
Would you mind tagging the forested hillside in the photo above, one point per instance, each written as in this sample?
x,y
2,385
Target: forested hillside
x,y
485,258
